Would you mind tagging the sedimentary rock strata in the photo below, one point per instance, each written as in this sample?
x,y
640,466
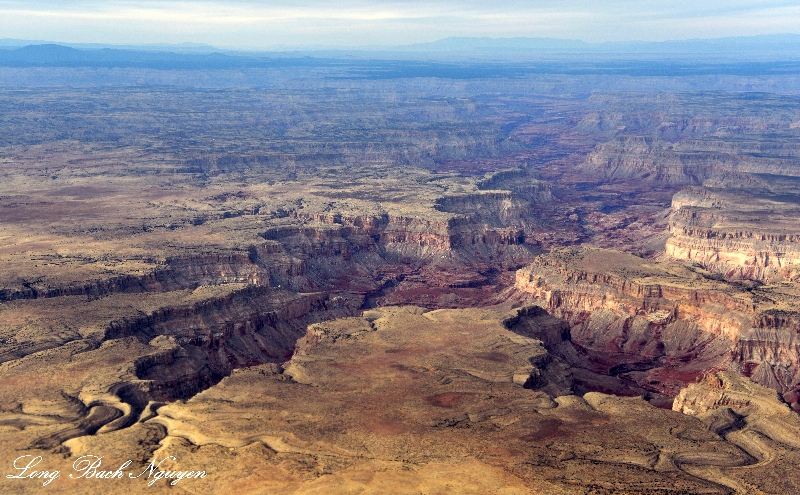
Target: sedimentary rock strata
x,y
345,290
656,325
738,234
691,161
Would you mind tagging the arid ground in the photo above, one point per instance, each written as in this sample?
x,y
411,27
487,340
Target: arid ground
x,y
343,281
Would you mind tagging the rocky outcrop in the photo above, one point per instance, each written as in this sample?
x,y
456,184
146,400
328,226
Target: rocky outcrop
x,y
500,208
169,275
249,327
663,324
738,235
174,352
690,161
756,405
401,233
404,257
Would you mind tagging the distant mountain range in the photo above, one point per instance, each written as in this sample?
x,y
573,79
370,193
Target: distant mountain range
x,y
777,44
53,55
9,43
749,55
788,44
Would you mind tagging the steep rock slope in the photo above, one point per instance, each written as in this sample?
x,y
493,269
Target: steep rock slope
x,y
740,234
691,161
659,325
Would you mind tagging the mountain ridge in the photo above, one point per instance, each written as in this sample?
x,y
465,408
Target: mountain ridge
x,y
784,43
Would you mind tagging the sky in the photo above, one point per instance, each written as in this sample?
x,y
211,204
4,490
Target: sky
x,y
253,24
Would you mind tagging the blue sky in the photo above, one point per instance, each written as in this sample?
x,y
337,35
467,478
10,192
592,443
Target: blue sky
x,y
261,24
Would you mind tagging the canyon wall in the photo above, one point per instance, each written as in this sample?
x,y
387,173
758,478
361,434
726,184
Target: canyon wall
x,y
663,324
690,161
739,235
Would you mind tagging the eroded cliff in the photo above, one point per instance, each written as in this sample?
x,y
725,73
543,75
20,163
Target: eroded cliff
x,y
739,234
659,325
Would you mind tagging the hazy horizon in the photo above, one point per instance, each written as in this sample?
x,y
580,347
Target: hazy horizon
x,y
252,24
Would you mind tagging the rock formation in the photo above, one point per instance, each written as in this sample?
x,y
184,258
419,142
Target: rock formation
x,y
738,234
659,325
338,286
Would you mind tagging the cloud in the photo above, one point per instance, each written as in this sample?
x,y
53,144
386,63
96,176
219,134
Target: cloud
x,y
356,22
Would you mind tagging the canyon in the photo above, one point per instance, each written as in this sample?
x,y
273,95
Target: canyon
x,y
351,285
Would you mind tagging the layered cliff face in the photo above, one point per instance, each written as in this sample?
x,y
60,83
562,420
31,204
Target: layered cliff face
x,y
689,139
124,312
102,364
740,235
739,216
176,273
452,252
506,198
659,325
690,161
645,158
239,298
